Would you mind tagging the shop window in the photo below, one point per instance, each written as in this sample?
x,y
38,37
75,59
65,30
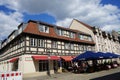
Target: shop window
x,y
43,65
15,66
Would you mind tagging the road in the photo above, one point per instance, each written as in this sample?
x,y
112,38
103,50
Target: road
x,y
113,74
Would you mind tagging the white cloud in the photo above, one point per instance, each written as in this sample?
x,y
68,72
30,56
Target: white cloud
x,y
111,27
65,22
8,23
90,11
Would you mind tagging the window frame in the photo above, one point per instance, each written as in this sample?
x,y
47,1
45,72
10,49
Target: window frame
x,y
54,44
67,45
72,46
33,42
41,43
81,37
43,28
71,34
43,65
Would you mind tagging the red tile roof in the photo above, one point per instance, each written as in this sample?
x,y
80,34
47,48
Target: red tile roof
x,y
32,28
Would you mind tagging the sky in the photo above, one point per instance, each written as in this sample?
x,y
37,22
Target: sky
x,y
104,14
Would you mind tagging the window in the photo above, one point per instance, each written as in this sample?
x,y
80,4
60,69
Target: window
x,y
33,42
60,32
81,37
44,28
89,38
84,48
41,43
66,33
89,48
43,65
72,35
54,44
67,45
80,47
72,46
85,37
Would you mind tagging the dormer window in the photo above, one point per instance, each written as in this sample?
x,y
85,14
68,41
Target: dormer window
x,y
85,37
66,33
60,32
43,28
72,35
81,37
90,38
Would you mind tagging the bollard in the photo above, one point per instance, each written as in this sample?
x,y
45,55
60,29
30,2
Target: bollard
x,y
14,75
2,77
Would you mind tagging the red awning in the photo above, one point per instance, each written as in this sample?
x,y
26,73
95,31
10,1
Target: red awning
x,y
73,56
67,58
40,57
54,58
13,59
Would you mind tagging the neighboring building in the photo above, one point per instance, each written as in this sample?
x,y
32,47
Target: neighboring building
x,y
105,42
29,48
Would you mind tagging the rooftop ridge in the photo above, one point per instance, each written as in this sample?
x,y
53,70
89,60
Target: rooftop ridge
x,y
86,25
52,25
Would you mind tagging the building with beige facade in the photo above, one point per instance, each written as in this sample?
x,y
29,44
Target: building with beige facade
x,y
38,47
105,42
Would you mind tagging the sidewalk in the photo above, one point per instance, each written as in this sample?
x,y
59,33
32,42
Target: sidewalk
x,y
112,74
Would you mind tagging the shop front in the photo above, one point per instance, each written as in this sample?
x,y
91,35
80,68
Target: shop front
x,y
14,62
66,62
46,64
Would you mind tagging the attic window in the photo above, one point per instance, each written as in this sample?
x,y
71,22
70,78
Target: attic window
x,y
43,28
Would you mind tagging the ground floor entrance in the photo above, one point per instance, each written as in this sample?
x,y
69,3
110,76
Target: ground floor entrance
x,y
36,64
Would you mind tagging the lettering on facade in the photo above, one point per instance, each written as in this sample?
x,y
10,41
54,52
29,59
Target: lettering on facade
x,y
28,59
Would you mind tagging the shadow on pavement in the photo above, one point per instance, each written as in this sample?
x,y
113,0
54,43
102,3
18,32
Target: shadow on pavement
x,y
115,76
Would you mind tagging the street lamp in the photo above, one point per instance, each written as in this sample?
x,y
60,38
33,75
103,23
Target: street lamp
x,y
48,52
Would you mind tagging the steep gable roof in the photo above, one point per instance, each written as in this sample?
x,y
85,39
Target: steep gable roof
x,y
86,25
32,28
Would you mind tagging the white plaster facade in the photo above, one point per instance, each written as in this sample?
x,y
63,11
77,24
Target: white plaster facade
x,y
26,64
103,44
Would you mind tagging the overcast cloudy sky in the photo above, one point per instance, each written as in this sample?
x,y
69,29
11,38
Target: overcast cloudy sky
x,y
101,13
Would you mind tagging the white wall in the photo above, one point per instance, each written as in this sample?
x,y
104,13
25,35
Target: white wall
x,y
28,64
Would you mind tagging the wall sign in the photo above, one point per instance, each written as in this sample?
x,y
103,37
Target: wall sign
x,y
28,59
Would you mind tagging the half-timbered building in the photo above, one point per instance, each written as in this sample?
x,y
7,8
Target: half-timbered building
x,y
37,46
